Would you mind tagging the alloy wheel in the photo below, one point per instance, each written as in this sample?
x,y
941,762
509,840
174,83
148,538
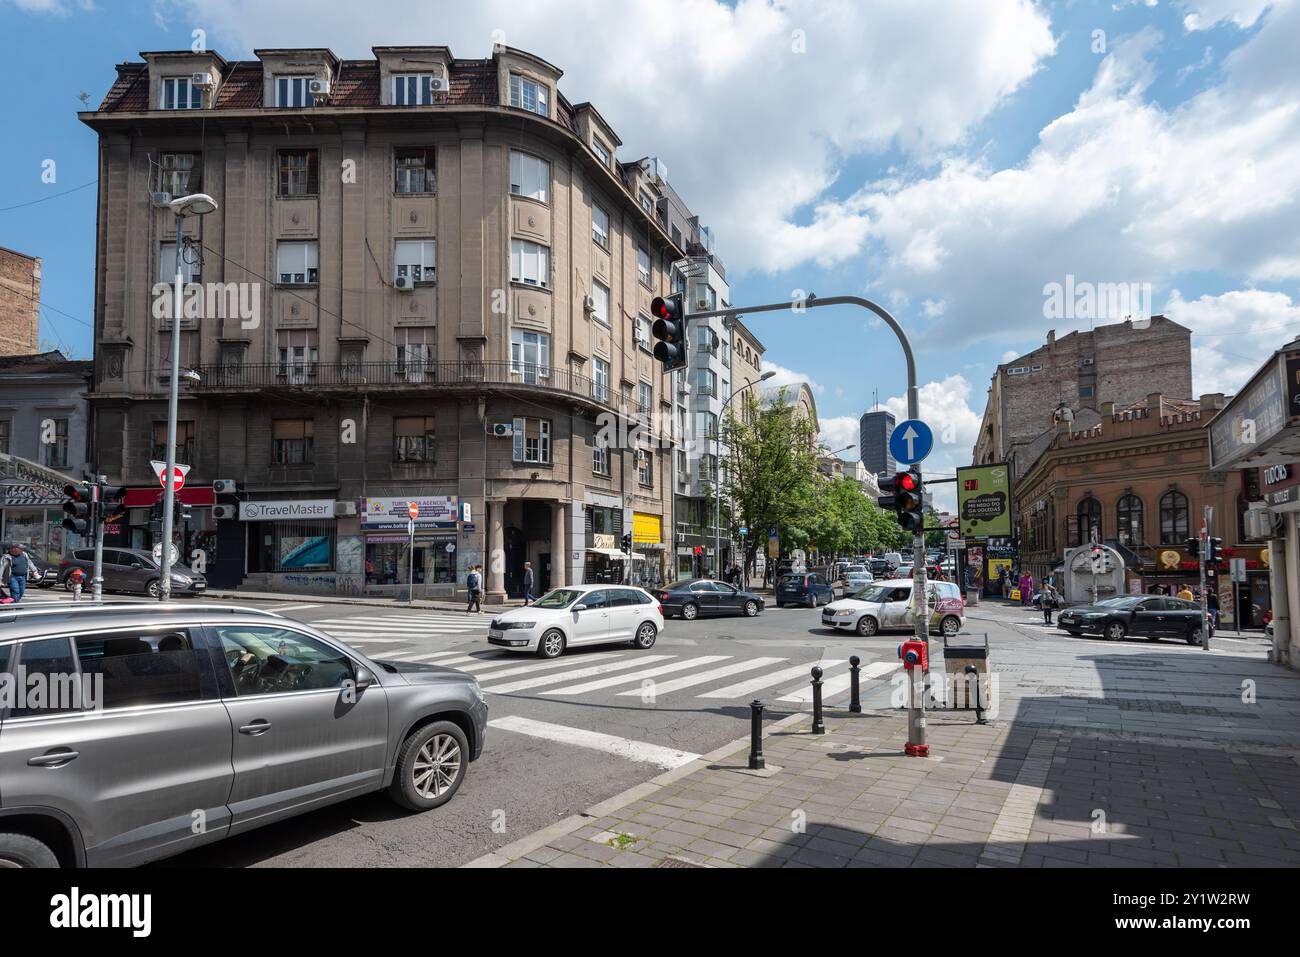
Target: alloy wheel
x,y
437,766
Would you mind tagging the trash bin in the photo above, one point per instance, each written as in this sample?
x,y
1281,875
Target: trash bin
x,y
955,660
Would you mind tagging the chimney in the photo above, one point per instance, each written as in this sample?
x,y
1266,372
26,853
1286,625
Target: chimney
x,y
1155,406
1051,336
1211,401
1108,408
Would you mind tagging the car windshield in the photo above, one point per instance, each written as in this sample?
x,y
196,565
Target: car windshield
x,y
558,598
873,593
1125,602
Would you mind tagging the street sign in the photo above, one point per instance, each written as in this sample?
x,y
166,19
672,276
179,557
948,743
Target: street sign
x,y
413,510
744,530
911,441
179,481
157,554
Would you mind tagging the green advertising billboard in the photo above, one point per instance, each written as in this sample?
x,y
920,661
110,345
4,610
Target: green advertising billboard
x,y
984,501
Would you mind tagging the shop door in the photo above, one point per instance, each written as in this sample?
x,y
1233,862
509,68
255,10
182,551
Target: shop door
x,y
544,574
516,549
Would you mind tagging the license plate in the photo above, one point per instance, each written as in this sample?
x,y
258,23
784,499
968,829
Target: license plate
x,y
200,586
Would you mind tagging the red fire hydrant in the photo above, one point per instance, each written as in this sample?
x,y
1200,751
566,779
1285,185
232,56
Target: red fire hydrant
x,y
76,576
915,659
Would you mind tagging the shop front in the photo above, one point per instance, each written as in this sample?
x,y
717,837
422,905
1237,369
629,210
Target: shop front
x,y
604,561
393,559
291,545
648,545
195,536
32,515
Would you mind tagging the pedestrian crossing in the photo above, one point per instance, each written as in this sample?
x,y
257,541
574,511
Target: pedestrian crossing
x,y
402,627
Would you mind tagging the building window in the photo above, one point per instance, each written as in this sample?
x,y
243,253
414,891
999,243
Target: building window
x,y
645,396
297,264
678,282
530,176
532,441
706,340
413,171
413,438
706,425
643,266
292,547
647,203
6,431
708,468
600,384
726,354
292,441
412,89
1089,513
55,454
298,173
1128,519
415,260
706,382
190,266
525,94
601,151
677,237
179,174
184,442
600,300
682,466
599,458
1173,518
298,354
641,332
645,474
293,92
530,263
415,353
530,355
178,93
600,227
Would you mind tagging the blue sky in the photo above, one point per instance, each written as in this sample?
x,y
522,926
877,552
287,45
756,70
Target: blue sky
x,y
947,158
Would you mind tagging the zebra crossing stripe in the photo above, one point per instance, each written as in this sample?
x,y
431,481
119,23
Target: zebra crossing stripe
x,y
668,687
470,659
591,672
535,667
746,688
640,751
432,657
840,683
637,675
494,663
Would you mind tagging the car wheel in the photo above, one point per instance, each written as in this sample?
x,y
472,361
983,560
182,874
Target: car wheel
x,y
67,583
645,635
950,625
1193,636
551,645
19,850
430,766
154,589
1114,631
690,611
867,626
751,608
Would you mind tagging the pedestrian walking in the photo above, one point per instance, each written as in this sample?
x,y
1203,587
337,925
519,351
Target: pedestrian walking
x,y
1050,600
528,583
14,568
1186,593
1212,605
474,583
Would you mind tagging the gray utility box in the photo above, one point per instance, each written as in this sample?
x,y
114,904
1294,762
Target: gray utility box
x,y
959,692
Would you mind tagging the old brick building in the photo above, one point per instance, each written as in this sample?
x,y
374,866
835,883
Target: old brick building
x,y
20,303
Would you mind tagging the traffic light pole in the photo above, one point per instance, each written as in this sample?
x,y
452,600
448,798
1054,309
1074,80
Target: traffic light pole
x,y
97,577
1204,553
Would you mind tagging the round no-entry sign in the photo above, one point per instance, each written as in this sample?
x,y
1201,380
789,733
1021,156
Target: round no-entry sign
x,y
160,470
413,510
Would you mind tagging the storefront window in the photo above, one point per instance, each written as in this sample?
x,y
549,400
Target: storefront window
x,y
41,530
291,546
388,560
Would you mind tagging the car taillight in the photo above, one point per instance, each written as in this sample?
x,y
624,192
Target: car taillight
x,y
661,611
65,563
664,596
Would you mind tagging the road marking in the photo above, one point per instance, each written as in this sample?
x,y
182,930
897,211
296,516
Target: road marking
x,y
432,657
375,641
568,675
667,687
547,666
746,688
505,659
637,675
292,607
840,683
471,658
640,751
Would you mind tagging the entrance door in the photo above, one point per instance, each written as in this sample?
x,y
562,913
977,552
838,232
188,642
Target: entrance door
x,y
515,548
544,573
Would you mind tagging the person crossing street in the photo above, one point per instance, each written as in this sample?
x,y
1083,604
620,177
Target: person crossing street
x,y
474,583
528,583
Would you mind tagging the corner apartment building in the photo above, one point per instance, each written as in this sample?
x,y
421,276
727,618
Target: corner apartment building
x,y
452,273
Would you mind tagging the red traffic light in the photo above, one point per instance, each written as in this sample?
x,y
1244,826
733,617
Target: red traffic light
x,y
906,481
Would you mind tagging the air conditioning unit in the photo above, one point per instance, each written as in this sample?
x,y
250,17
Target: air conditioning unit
x,y
160,199
503,430
438,85
224,513
588,304
202,81
225,487
702,305
342,509
319,90
403,284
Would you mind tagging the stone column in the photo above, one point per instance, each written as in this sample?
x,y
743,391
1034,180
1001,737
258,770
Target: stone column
x,y
494,561
559,544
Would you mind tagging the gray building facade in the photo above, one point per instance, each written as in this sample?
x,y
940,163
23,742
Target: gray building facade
x,y
874,430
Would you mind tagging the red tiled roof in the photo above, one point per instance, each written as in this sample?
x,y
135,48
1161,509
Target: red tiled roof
x,y
241,89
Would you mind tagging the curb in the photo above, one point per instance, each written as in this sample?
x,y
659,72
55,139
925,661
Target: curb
x,y
526,845
364,602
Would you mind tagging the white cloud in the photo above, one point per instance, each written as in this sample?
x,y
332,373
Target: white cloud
x,y
1009,355
1204,14
838,431
1233,333
784,376
52,7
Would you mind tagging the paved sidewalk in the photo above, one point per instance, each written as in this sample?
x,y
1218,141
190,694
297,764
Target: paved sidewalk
x,y
1106,756
442,604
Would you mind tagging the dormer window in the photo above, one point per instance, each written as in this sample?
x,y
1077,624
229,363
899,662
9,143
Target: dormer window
x,y
413,89
647,203
293,92
599,149
526,94
178,93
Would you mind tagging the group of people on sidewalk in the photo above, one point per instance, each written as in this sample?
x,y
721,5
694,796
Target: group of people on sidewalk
x,y
474,586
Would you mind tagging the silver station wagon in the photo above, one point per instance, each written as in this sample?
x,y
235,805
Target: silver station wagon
x,y
130,732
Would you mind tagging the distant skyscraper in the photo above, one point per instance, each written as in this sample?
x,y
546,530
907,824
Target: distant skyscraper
x,y
874,429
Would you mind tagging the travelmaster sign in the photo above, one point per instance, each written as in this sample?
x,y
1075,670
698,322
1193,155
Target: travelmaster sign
x,y
984,501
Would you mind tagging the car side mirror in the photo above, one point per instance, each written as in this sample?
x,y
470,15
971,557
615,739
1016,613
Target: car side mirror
x,y
364,678
136,565
579,607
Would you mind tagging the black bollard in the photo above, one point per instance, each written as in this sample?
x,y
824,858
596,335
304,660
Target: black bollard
x,y
819,727
855,704
756,762
973,672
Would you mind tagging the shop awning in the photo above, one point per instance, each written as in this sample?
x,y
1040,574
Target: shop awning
x,y
615,553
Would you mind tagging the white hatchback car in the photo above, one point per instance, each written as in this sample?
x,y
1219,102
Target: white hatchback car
x,y
579,615
888,605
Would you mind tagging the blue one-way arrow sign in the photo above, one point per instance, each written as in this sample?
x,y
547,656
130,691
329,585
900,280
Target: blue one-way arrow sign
x,y
911,441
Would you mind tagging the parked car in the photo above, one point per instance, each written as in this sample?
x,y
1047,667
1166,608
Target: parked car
x,y
43,573
579,615
233,716
887,605
880,568
692,598
131,570
1146,616
808,588
854,582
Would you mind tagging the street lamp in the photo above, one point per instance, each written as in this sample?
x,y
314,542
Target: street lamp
x,y
717,471
195,204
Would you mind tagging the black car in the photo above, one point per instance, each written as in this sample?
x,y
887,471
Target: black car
x,y
692,597
43,574
1144,616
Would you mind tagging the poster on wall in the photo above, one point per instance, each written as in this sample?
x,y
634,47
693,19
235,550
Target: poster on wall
x,y
311,551
984,501
390,513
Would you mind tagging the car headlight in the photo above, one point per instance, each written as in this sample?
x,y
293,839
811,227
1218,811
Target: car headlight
x,y
477,688
507,625
180,580
843,612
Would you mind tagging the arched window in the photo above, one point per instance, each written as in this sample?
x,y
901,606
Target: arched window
x,y
1089,513
1128,520
1173,518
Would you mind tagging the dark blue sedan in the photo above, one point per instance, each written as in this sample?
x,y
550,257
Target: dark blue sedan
x,y
803,588
692,598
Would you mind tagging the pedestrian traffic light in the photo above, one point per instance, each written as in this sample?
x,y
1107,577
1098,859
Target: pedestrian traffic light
x,y
113,507
907,499
670,329
1097,559
1212,548
627,542
1193,547
79,508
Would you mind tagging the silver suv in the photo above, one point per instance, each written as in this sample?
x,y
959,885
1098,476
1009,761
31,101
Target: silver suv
x,y
131,732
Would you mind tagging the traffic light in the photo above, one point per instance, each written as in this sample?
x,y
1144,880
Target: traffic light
x,y
1097,559
1212,548
670,329
907,499
627,542
1194,547
113,507
79,508
181,513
